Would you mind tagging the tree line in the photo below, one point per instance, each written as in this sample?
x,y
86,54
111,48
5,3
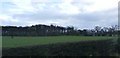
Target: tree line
x,y
52,30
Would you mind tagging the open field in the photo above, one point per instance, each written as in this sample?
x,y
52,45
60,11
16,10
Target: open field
x,y
9,42
68,46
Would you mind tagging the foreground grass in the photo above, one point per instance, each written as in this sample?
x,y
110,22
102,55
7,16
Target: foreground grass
x,y
8,42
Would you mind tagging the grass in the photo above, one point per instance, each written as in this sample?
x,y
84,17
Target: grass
x,y
0,41
8,42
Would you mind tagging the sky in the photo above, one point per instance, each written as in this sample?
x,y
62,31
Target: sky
x,y
78,13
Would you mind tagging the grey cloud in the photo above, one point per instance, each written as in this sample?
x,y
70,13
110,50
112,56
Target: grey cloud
x,y
85,20
40,16
98,16
102,18
81,20
11,23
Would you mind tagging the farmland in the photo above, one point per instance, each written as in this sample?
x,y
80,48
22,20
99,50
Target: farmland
x,y
58,46
9,42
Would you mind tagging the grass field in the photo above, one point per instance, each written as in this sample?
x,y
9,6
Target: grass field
x,y
8,42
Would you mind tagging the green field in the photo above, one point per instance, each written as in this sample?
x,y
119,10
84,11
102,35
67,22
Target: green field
x,y
8,42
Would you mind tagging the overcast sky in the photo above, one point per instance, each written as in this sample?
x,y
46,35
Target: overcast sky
x,y
78,13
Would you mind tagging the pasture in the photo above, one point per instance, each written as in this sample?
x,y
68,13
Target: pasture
x,y
17,41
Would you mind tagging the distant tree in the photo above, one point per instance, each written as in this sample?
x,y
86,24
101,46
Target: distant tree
x,y
97,30
70,30
53,30
85,32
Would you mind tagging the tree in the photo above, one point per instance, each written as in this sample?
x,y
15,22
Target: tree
x,y
97,30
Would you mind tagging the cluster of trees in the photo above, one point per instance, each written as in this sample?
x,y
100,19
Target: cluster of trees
x,y
52,30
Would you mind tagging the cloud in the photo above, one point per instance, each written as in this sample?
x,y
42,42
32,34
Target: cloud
x,y
100,5
102,18
79,13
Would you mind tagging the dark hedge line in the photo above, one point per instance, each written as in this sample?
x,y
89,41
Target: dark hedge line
x,y
85,48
